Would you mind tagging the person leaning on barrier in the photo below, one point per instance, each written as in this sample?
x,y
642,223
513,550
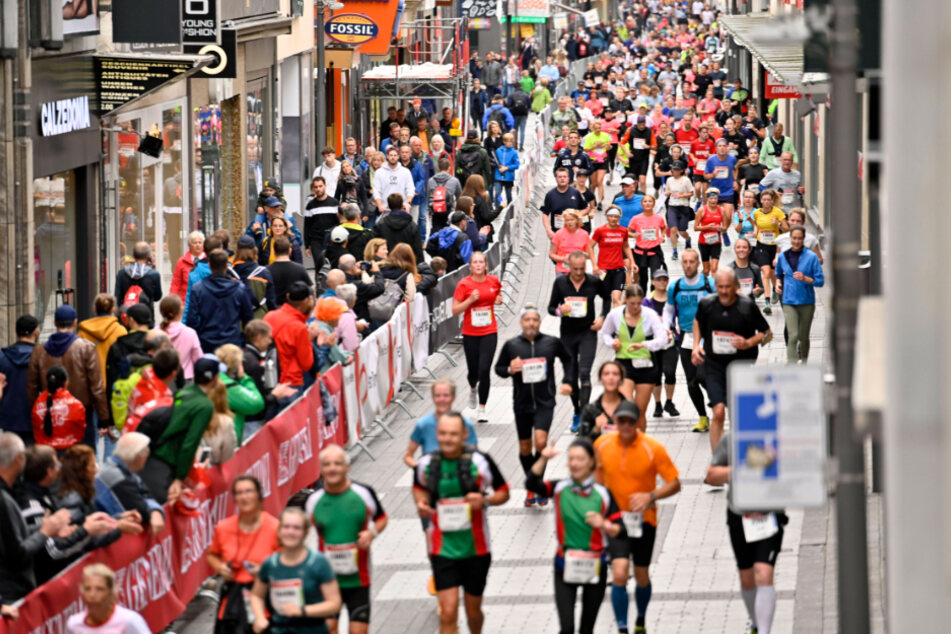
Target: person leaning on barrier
x,y
366,277
118,488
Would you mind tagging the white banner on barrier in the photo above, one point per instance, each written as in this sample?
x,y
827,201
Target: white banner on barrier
x,y
351,403
404,343
420,333
397,328
368,392
384,364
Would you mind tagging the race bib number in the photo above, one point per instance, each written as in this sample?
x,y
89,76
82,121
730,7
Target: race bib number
x,y
685,148
701,164
649,235
723,342
788,198
582,566
717,82
604,101
687,341
579,306
639,144
454,515
746,287
721,172
757,527
767,237
753,187
534,370
557,222
284,591
481,317
342,557
642,363
598,79
633,523
711,237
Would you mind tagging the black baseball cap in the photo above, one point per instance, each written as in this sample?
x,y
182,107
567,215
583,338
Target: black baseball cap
x,y
26,325
627,409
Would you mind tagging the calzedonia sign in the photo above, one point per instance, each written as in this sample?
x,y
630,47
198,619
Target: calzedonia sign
x,y
65,115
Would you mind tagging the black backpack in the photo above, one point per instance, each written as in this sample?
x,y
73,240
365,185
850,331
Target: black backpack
x,y
519,104
451,255
499,117
463,472
469,162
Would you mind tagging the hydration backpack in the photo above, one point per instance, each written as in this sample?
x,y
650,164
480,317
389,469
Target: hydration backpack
x,y
463,471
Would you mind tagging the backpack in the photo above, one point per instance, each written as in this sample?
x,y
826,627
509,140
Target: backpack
x,y
443,201
154,424
258,286
136,295
121,391
463,472
383,306
499,117
672,300
519,104
451,255
469,163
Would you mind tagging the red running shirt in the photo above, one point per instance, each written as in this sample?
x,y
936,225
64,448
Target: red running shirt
x,y
479,319
610,247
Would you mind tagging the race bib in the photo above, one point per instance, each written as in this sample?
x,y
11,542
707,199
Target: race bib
x,y
746,287
649,235
633,523
767,237
558,222
481,317
454,515
721,172
598,79
534,370
757,527
604,101
687,341
753,187
701,164
723,342
717,82
734,153
685,148
711,237
579,306
284,591
582,566
342,557
642,363
788,198
639,144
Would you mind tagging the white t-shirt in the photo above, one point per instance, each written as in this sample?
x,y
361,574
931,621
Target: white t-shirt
x,y
680,185
331,175
123,621
697,8
783,243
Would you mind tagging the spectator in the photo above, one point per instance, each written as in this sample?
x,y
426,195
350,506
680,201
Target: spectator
x,y
386,123
272,187
254,276
391,138
437,150
400,267
349,329
439,266
351,153
154,389
492,74
336,246
173,454
273,208
279,229
352,189
320,216
292,337
452,244
222,306
239,546
443,190
327,313
103,612
479,237
376,250
392,178
368,283
219,439
183,338
422,159
519,103
201,270
103,329
473,159
329,170
139,283
186,264
415,113
492,140
118,488
507,163
15,409
397,227
284,272
59,419
261,364
499,113
335,277
478,102
420,177
127,355
244,399
357,236
82,365
484,211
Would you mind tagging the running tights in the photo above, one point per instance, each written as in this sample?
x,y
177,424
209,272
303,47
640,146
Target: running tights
x,y
480,350
582,347
798,322
693,382
592,594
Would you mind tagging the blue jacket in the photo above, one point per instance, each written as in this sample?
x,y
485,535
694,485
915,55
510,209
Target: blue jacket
x,y
221,306
508,157
509,119
478,102
262,219
447,237
15,407
419,179
796,293
200,272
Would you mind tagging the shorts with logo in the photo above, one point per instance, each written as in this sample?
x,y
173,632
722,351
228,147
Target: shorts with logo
x,y
638,375
357,601
641,549
470,573
615,278
527,422
764,551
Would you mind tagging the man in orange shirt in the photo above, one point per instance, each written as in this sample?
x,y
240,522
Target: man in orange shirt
x,y
293,338
628,463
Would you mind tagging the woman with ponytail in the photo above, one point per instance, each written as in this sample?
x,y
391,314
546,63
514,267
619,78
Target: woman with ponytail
x,y
59,419
184,339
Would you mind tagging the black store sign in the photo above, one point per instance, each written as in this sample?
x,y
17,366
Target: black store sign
x,y
199,23
122,79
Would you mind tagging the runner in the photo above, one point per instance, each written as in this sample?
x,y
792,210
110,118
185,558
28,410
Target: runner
x,y
567,240
751,173
103,613
719,172
572,299
629,462
295,585
477,295
700,151
665,361
597,144
585,516
769,222
751,281
581,184
743,218
757,539
530,360
598,416
572,157
727,327
797,216
615,261
634,331
450,490
348,517
559,199
709,223
647,229
678,190
443,391
679,312
786,181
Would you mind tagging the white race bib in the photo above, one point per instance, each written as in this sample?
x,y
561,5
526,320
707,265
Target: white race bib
x,y
642,363
721,172
701,164
558,222
746,287
758,527
685,148
687,341
342,557
639,144
633,523
753,187
454,515
598,79
711,237
582,566
788,198
579,306
481,317
649,235
284,591
534,370
734,153
723,342
767,237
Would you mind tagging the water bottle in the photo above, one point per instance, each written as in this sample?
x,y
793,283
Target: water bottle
x,y
270,372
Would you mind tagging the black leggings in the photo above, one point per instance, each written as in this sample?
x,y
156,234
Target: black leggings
x,y
582,347
648,261
665,365
693,381
480,350
592,595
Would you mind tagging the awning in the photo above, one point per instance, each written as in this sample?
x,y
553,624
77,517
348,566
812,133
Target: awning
x,y
148,82
751,31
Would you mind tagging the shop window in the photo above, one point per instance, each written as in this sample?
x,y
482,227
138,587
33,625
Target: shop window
x,y
257,109
54,216
207,166
172,184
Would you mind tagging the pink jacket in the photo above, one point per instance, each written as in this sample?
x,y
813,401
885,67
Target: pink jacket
x,y
185,341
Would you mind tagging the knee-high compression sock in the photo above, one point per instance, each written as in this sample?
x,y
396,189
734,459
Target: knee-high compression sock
x,y
527,462
765,607
642,596
619,601
749,600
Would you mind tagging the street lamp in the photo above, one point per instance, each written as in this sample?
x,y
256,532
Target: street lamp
x,y
322,5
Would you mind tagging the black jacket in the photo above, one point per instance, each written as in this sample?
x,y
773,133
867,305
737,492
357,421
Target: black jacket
x,y
357,193
18,547
398,227
591,287
127,352
531,397
429,280
365,292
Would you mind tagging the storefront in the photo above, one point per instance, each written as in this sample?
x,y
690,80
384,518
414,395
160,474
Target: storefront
x,y
66,148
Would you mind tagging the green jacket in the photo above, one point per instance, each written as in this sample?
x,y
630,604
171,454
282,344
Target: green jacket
x,y
540,98
243,400
770,153
528,85
191,413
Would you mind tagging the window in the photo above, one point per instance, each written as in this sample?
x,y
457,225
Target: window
x,y
54,216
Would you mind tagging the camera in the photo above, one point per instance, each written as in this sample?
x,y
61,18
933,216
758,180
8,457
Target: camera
x,y
365,266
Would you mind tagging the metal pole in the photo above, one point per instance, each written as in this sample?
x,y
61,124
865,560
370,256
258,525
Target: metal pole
x,y
321,95
851,540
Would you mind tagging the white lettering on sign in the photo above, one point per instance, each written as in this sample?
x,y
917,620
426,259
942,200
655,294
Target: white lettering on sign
x,y
65,115
292,454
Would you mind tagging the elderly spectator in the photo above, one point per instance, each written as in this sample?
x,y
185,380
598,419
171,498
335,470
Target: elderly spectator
x,y
369,283
349,328
119,489
186,264
327,313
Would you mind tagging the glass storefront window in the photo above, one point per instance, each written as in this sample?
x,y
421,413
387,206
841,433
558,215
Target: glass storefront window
x,y
54,216
172,185
256,91
207,126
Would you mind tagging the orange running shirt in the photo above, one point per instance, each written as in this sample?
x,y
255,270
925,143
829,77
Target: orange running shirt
x,y
633,469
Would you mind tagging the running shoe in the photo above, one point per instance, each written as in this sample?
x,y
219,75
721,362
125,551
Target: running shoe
x,y
674,256
671,409
703,425
600,208
658,410
640,629
541,501
482,417
473,398
689,242
767,309
529,499
575,423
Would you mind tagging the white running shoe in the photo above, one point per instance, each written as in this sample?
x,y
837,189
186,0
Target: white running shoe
x,y
482,417
473,398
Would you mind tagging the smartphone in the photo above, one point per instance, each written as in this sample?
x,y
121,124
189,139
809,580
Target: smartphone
x,y
365,266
